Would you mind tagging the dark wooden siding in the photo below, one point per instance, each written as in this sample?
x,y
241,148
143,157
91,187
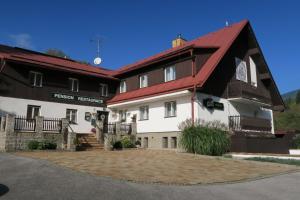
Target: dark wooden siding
x,y
14,82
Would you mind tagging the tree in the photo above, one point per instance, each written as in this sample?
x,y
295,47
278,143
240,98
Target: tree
x,y
298,98
56,52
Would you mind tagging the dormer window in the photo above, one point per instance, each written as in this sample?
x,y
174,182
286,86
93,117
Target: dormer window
x,y
123,86
170,73
36,79
241,70
143,81
73,84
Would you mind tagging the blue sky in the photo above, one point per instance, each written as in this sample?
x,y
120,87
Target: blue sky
x,y
135,29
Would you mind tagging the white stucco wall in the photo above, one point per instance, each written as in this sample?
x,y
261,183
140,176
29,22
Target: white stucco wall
x,y
230,109
49,109
157,121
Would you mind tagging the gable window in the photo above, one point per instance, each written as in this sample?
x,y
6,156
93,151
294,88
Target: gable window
x,y
170,73
241,70
122,115
144,113
36,79
73,84
71,115
170,109
123,86
143,81
103,90
253,72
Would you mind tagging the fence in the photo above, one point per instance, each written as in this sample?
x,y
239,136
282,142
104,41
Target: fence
x,y
24,124
110,128
52,124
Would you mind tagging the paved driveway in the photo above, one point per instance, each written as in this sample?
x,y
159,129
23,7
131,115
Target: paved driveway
x,y
26,178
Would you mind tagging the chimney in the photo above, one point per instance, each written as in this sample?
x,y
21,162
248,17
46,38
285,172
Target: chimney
x,y
178,41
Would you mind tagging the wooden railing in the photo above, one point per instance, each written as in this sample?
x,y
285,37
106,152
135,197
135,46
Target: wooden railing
x,y
52,124
240,89
240,123
113,128
110,128
125,128
24,124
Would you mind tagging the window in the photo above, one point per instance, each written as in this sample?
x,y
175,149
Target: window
x,y
170,73
143,81
165,142
71,115
36,79
122,86
33,111
144,113
73,84
253,72
170,109
104,90
122,115
241,70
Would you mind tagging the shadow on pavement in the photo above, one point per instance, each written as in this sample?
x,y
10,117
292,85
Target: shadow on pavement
x,y
3,189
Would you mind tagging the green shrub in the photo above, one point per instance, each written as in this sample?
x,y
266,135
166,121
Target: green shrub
x,y
32,145
117,145
296,142
205,140
127,143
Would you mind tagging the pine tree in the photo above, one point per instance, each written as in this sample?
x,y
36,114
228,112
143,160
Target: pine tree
x,y
298,98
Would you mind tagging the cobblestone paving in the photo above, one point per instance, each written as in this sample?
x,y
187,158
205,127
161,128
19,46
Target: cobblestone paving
x,y
155,166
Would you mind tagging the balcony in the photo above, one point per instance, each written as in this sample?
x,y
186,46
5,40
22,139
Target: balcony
x,y
239,89
244,123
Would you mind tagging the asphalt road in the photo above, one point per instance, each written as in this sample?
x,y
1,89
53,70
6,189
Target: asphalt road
x,y
30,179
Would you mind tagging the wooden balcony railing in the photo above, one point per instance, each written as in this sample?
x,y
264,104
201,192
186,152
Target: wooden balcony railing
x,y
240,123
239,89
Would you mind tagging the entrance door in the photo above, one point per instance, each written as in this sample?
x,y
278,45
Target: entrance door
x,y
103,116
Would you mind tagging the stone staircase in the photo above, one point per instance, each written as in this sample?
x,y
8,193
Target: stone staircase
x,y
89,142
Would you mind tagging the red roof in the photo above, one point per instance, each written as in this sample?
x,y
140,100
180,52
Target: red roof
x,y
221,40
44,60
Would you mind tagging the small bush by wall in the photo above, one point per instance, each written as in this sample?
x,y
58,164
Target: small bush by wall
x,y
41,145
127,142
206,139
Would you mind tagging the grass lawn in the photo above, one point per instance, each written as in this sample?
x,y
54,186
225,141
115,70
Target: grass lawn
x,y
276,160
157,166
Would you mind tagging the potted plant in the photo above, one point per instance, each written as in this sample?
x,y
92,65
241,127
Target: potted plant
x,y
138,143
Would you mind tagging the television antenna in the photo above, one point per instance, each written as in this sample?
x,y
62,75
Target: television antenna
x,y
97,60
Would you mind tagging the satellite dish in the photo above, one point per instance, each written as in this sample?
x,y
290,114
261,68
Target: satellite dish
x,y
97,60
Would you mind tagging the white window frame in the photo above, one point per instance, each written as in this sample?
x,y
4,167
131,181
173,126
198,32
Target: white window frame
x,y
241,65
72,84
143,81
123,86
35,74
103,90
173,109
253,72
32,114
170,73
143,110
69,115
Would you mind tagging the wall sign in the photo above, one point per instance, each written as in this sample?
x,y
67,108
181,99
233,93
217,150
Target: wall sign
x,y
77,98
88,116
211,104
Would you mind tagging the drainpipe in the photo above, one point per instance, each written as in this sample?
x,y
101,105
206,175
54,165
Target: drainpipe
x,y
192,102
